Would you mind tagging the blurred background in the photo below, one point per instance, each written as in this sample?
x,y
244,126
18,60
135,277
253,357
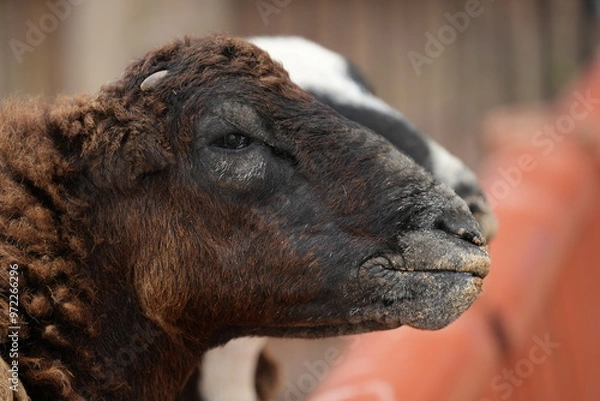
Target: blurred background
x,y
500,73
506,52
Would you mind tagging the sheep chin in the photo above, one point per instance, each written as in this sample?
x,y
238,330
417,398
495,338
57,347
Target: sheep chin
x,y
425,300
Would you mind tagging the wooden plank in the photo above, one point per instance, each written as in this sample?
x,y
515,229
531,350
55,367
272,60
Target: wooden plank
x,y
563,37
526,37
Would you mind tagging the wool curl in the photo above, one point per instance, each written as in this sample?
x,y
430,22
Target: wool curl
x,y
43,291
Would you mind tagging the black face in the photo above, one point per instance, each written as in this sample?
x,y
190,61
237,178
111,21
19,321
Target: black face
x,y
303,223
327,227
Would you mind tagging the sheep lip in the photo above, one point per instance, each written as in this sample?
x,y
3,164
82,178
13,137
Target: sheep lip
x,y
478,270
451,255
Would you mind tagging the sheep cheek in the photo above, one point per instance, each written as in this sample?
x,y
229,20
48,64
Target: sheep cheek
x,y
163,295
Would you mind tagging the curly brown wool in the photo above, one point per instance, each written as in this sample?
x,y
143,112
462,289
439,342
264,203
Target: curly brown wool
x,y
45,150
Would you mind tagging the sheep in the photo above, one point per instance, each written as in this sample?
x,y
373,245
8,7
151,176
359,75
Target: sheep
x,y
202,197
338,83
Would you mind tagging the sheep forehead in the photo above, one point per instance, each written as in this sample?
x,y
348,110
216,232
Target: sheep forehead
x,y
320,70
198,61
240,115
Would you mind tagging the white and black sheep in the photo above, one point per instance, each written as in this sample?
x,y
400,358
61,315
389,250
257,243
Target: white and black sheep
x,y
340,84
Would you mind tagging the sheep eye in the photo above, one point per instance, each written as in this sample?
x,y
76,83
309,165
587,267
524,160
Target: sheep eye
x,y
233,141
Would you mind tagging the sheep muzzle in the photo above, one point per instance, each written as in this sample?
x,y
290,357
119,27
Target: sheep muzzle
x,y
431,279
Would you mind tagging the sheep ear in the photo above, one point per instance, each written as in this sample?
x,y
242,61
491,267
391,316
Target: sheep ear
x,y
153,80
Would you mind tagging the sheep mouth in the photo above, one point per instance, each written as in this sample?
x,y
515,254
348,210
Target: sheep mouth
x,y
429,283
457,251
449,255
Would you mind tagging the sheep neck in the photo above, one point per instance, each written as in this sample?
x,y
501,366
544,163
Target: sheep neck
x,y
140,360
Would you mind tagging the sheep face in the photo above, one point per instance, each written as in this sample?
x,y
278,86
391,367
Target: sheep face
x,y
277,215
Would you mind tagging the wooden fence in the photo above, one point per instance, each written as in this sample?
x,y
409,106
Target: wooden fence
x,y
506,52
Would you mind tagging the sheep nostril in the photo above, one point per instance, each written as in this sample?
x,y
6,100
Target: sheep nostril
x,y
470,236
462,231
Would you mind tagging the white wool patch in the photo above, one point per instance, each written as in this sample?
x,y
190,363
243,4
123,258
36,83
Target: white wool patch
x,y
228,372
320,70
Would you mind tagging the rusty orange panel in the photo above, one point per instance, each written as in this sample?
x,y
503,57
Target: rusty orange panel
x,y
533,334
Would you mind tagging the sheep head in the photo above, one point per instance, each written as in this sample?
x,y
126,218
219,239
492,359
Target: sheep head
x,y
204,196
259,210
